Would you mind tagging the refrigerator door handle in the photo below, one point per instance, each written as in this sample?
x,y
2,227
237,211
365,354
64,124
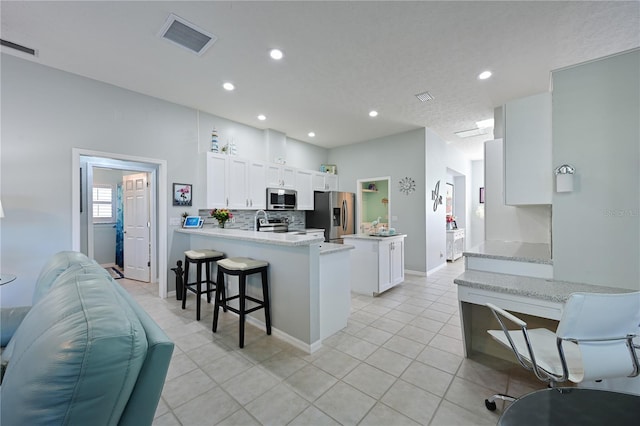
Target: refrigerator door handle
x,y
344,215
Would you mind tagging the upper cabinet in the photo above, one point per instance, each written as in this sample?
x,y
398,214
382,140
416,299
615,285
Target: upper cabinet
x,y
235,183
280,176
216,181
325,181
528,172
304,187
240,184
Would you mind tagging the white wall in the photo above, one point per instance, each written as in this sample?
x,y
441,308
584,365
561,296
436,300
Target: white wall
x,y
596,228
529,224
463,179
436,170
475,233
46,113
104,234
398,156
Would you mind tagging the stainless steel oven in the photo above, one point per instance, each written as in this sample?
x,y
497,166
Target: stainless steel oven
x,y
281,199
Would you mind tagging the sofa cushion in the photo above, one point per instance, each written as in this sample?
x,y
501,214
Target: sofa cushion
x,y
58,263
76,355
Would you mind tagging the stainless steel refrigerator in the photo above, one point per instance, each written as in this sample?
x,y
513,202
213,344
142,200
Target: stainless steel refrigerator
x,y
334,212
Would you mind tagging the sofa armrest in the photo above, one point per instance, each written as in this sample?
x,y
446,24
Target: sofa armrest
x,y
143,401
10,318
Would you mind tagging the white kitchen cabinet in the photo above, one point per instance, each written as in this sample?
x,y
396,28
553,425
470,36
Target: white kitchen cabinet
x,y
235,183
216,181
325,181
455,244
528,172
377,263
280,176
257,186
304,187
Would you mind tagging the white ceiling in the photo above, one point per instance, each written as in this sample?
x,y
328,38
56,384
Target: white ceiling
x,y
342,59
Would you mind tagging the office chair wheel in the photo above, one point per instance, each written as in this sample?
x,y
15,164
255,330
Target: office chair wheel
x,y
491,406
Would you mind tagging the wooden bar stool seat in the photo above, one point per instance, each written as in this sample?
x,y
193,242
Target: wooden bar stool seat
x,y
242,267
200,257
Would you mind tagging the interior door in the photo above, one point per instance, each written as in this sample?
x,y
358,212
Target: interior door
x,y
136,227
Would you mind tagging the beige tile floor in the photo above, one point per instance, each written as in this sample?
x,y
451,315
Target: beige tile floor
x,y
398,362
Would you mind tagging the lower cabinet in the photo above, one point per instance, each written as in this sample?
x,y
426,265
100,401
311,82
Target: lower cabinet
x,y
455,244
377,262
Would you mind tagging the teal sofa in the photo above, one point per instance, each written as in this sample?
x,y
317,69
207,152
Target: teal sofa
x,y
85,353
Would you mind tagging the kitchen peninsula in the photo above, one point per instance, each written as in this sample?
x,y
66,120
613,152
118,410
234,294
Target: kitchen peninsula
x,y
309,280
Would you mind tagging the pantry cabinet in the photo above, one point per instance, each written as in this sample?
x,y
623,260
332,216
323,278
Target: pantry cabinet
x,y
377,263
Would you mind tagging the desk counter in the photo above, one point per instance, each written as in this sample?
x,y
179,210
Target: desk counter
x,y
537,288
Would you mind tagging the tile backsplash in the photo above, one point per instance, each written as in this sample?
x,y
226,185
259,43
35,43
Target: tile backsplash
x,y
243,219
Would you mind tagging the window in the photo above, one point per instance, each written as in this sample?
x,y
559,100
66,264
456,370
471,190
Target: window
x,y
103,204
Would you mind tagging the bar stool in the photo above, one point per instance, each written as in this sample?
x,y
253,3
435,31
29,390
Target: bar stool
x,y
199,257
241,267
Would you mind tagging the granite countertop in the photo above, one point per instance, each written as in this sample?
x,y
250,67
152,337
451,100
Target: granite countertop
x,y
538,288
512,250
371,237
282,239
327,248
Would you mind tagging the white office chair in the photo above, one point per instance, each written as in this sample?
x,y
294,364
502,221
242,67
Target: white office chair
x,y
594,341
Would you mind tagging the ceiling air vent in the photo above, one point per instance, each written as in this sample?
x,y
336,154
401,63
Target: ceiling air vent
x,y
18,47
424,96
186,35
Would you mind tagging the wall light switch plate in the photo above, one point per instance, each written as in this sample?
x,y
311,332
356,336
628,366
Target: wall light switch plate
x,y
174,221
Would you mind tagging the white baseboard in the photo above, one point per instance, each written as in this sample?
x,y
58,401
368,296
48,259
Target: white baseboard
x,y
437,268
309,348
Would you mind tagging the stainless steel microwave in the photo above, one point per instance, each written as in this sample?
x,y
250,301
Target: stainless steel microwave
x,y
281,199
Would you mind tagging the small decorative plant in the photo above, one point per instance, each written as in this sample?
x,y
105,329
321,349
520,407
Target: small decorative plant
x,y
221,215
451,222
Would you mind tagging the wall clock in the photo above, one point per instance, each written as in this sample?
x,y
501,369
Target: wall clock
x,y
407,185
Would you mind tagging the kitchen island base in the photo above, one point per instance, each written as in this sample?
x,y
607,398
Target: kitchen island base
x,y
309,280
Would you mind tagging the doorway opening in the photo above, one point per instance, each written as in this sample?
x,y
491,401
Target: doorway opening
x,y
150,253
374,204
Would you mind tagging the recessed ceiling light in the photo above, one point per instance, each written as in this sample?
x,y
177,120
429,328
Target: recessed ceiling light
x,y
262,117
484,75
311,134
373,113
276,54
228,86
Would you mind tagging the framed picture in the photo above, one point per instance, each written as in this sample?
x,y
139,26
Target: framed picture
x,y
482,195
182,194
449,199
329,168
